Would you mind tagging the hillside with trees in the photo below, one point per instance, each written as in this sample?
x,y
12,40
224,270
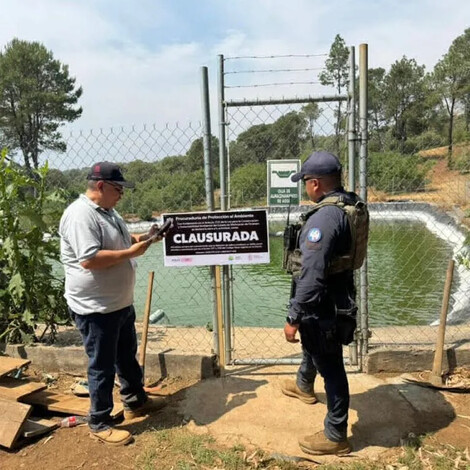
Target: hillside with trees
x,y
410,110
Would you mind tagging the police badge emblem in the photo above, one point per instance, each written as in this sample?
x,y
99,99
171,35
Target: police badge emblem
x,y
314,235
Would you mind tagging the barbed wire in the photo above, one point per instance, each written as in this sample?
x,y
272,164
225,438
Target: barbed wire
x,y
303,56
274,70
274,84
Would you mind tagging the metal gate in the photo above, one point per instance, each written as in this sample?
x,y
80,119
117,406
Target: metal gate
x,y
253,130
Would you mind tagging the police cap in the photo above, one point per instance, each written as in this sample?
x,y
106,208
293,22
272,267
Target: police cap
x,y
318,164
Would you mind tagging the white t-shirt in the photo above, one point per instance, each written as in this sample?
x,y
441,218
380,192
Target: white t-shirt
x,y
85,228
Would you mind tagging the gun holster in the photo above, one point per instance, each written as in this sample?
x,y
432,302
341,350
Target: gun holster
x,y
346,324
318,337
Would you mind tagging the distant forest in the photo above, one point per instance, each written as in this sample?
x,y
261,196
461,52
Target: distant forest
x,y
410,110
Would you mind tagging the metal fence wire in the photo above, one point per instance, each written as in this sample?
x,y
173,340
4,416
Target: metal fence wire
x,y
164,164
417,207
261,293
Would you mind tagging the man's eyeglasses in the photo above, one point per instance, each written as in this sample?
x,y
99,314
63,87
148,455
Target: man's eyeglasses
x,y
117,187
307,178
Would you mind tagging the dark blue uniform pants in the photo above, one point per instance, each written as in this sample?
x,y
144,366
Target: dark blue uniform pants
x,y
331,368
110,342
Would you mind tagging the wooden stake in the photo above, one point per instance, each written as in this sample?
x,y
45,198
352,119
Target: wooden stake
x,y
145,327
220,321
436,374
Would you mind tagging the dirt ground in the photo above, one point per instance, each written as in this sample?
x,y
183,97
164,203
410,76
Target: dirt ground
x,y
448,189
457,433
72,448
206,407
211,408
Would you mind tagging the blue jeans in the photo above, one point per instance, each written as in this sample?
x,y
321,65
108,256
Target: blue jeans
x,y
110,342
331,368
306,373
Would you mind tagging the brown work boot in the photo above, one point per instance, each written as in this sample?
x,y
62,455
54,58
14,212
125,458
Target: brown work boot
x,y
152,404
113,436
289,387
319,444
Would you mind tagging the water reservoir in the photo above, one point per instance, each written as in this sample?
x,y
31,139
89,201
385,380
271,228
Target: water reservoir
x,y
407,265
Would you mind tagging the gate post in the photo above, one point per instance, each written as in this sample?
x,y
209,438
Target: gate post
x,y
353,360
209,185
226,281
363,130
352,120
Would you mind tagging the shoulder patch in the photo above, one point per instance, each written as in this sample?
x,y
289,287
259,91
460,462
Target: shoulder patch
x,y
314,235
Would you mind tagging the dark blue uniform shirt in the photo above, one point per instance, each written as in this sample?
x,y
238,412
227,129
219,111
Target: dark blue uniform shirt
x,y
325,235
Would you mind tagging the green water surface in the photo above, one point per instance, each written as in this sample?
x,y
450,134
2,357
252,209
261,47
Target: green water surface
x,y
406,272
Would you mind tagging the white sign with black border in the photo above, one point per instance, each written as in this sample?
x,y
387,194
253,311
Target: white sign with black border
x,y
217,238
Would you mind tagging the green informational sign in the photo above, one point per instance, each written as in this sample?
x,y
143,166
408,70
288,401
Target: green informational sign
x,y
281,190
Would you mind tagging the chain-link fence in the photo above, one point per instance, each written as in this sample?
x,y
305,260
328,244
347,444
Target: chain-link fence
x,y
418,193
275,128
418,203
261,293
165,165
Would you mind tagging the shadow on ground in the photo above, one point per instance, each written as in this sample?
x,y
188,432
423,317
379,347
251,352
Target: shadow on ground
x,y
252,409
207,402
387,414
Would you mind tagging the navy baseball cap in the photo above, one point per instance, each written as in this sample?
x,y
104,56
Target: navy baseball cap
x,y
107,171
318,164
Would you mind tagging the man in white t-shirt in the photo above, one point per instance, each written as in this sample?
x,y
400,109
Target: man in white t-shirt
x,y
98,253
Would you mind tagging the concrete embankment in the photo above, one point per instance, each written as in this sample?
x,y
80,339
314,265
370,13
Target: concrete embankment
x,y
188,352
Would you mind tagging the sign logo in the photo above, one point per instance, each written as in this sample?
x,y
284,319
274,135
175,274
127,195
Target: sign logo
x,y
283,173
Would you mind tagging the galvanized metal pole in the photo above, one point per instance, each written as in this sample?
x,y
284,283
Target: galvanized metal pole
x,y
206,120
274,101
352,120
352,155
222,149
220,333
206,139
363,130
228,290
226,281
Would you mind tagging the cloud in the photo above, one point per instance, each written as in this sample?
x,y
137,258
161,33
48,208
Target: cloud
x,y
62,26
134,86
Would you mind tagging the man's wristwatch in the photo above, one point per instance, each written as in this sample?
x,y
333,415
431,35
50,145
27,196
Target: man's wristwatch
x,y
291,321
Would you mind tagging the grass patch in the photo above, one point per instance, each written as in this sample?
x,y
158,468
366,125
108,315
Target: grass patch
x,y
179,449
146,460
352,466
414,456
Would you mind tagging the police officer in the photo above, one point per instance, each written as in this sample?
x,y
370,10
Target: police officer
x,y
318,294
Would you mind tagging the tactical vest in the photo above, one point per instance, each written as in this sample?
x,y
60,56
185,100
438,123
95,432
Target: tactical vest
x,y
358,218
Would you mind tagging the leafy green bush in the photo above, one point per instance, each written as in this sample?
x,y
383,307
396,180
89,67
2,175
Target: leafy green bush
x,y
396,173
248,185
31,292
461,161
144,212
427,140
461,132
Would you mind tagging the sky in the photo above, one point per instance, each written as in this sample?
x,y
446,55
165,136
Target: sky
x,y
139,61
